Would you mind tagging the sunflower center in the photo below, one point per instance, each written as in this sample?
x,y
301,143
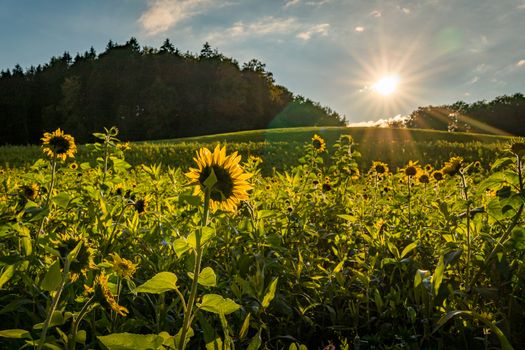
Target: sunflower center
x,y
317,144
223,188
60,145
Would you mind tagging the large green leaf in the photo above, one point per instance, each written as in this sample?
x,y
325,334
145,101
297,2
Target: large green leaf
x,y
160,283
15,333
217,304
53,277
207,277
130,341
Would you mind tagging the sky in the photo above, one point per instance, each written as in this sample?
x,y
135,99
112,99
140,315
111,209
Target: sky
x,y
334,52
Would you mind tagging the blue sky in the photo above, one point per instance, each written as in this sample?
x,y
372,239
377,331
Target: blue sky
x,y
332,51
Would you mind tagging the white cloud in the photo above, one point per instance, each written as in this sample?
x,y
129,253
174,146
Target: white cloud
x,y
162,15
473,80
291,3
319,29
406,10
375,14
521,63
265,26
359,29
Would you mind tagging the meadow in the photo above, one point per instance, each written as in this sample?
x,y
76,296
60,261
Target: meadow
x,y
337,239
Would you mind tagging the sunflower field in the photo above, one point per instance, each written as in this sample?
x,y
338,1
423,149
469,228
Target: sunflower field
x,y
327,254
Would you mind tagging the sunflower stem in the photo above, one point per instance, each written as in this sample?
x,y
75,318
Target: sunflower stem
x,y
188,315
48,198
54,304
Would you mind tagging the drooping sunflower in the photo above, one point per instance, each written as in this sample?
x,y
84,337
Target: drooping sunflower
x,y
453,166
106,297
319,143
59,145
231,186
65,243
123,267
30,191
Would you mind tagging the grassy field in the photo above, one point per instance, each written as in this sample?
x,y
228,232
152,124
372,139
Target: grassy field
x,y
281,148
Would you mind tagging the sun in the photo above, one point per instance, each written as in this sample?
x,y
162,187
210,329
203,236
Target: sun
x,y
387,85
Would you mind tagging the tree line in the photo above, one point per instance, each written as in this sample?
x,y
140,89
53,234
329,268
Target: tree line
x,y
503,115
149,94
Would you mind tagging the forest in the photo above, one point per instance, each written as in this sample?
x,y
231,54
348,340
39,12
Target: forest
x,y
502,115
149,94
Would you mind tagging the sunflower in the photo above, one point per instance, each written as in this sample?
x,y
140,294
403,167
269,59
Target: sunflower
x,y
141,205
423,178
30,191
84,260
453,166
59,145
437,175
73,166
411,169
231,186
518,148
319,143
379,168
123,267
106,297
429,168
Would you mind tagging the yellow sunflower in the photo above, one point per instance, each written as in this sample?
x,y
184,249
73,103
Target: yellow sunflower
x,y
231,186
437,175
59,145
65,243
379,168
123,267
319,143
411,169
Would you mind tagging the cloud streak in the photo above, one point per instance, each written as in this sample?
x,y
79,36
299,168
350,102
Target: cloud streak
x,y
163,15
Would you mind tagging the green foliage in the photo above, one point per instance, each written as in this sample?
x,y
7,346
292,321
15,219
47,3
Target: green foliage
x,y
324,253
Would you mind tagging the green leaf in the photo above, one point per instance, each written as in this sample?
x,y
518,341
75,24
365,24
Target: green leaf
x,y
130,341
57,319
207,277
177,336
181,246
255,342
61,200
505,344
408,249
9,272
160,283
437,277
211,180
270,294
518,238
245,327
53,277
15,333
73,254
218,305
501,162
189,199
